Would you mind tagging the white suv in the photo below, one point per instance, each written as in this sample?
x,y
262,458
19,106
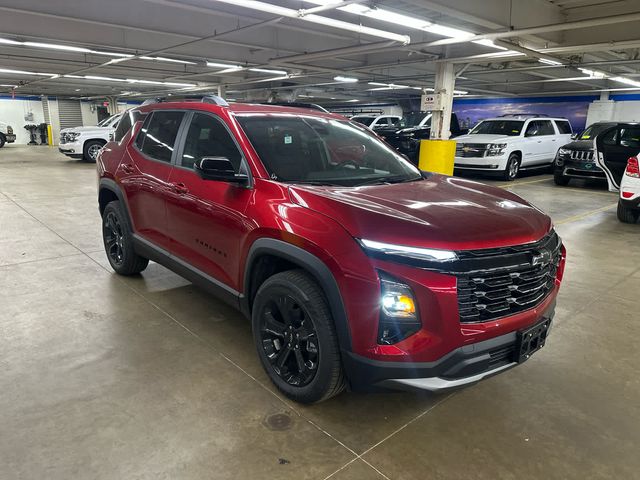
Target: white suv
x,y
617,154
379,121
86,142
6,134
506,144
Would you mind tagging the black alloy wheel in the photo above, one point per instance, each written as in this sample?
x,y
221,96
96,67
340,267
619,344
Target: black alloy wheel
x,y
289,339
113,238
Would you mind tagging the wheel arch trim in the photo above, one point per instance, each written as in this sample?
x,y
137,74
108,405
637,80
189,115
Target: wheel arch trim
x,y
314,266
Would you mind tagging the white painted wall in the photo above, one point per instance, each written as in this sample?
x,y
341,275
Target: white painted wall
x,y
12,112
89,118
610,110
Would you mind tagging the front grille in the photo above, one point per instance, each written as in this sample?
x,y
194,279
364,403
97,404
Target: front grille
x,y
582,155
492,293
471,150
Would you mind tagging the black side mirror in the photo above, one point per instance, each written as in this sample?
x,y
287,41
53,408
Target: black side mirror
x,y
220,169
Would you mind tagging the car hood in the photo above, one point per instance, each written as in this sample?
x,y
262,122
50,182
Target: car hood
x,y
579,145
437,212
479,138
92,129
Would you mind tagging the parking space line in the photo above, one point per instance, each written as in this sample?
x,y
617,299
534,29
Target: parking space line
x,y
515,184
580,216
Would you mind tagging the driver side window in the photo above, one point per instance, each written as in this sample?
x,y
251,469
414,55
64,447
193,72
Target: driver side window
x,y
208,137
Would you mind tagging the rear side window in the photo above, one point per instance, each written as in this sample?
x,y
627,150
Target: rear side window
x,y
546,128
539,128
630,137
158,135
208,137
128,120
563,126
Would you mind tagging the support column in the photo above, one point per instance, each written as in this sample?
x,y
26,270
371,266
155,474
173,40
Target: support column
x,y
113,105
222,91
445,84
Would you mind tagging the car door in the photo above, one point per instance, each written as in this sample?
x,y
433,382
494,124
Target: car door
x,y
145,170
614,146
206,218
533,145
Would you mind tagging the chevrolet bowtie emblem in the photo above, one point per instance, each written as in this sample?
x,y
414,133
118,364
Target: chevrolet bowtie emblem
x,y
542,257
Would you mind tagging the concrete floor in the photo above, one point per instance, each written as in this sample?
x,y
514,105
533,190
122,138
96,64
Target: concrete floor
x,y
105,377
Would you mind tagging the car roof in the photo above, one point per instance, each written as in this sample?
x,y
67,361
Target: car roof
x,y
526,117
239,108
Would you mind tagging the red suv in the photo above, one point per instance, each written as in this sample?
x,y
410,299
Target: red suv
x,y
356,269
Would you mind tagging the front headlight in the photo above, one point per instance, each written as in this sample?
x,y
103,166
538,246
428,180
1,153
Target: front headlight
x,y
398,314
495,149
564,151
71,136
416,253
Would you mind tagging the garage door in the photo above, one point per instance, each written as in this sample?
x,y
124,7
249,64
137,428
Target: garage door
x,y
70,113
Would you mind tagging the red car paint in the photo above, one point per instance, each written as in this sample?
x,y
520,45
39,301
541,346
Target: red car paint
x,y
212,226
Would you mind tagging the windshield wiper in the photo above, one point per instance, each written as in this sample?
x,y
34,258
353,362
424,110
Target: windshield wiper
x,y
320,183
388,180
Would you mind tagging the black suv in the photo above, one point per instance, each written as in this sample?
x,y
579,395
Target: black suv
x,y
577,159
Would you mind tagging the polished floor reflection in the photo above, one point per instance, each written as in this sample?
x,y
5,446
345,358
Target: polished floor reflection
x,y
148,377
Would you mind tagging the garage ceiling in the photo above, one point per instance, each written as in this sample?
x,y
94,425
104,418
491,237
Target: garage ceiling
x,y
316,50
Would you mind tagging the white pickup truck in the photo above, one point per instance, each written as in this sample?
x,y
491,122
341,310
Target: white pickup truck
x,y
504,145
6,134
86,142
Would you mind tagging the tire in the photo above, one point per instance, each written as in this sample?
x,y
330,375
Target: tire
x,y
3,140
91,149
296,339
627,215
118,241
560,179
513,167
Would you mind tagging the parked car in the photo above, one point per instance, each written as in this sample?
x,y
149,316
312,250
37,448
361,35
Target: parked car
x,y
577,159
405,136
6,134
86,142
507,144
376,122
279,211
617,154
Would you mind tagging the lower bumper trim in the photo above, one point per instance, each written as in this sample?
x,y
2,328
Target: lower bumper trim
x,y
439,384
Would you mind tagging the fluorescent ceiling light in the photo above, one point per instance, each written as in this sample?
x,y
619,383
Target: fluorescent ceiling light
x,y
24,72
266,70
320,20
488,43
378,84
10,86
340,78
171,60
627,81
9,42
549,62
53,46
223,65
460,92
593,73
130,80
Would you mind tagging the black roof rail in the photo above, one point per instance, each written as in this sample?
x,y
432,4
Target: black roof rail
x,y
312,106
214,99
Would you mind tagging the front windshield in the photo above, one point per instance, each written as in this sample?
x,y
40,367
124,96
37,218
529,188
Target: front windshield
x,y
413,119
306,149
498,127
108,120
364,120
593,130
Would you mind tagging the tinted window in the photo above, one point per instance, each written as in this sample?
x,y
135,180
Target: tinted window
x,y
208,137
537,128
498,127
128,120
158,135
563,126
610,137
317,150
630,137
594,130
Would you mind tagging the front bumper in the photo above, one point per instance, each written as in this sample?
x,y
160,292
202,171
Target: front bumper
x,y
10,138
71,149
494,163
464,366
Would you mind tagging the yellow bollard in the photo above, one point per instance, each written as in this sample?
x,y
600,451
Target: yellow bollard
x,y
50,135
437,156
